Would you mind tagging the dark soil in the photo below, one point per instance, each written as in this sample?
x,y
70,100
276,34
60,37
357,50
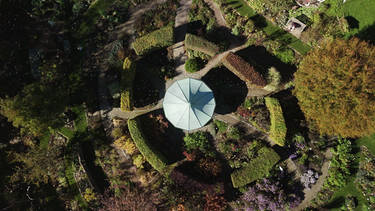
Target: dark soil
x,y
229,90
144,93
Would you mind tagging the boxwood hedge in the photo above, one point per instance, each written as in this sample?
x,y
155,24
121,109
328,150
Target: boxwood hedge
x,y
278,128
256,169
152,155
197,43
127,77
156,40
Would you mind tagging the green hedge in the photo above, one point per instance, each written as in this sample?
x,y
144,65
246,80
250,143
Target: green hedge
x,y
128,74
256,169
278,127
152,155
197,43
156,40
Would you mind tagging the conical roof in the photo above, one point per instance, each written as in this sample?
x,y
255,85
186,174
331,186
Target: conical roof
x,y
189,104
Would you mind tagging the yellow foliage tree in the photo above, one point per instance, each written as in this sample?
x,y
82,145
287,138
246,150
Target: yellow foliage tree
x,y
126,143
335,86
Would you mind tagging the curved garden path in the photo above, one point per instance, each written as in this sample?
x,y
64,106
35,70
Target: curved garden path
x,y
108,113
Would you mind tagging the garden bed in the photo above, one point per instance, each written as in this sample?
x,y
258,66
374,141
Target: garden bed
x,y
156,18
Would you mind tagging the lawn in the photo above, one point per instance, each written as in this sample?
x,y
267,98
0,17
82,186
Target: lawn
x,y
361,13
368,142
273,31
242,7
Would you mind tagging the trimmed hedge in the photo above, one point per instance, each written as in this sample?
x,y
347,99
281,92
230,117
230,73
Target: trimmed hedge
x,y
278,127
197,43
156,40
128,74
255,169
243,70
152,155
194,185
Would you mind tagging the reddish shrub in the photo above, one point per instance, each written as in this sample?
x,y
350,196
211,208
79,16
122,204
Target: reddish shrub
x,y
243,70
215,203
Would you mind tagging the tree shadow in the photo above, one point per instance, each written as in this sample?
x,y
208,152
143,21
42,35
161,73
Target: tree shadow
x,y
353,22
97,174
229,90
338,202
367,33
261,59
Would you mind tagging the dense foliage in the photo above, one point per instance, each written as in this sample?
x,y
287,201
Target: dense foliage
x,y
335,87
154,157
266,159
339,171
128,74
243,70
192,65
36,109
278,127
199,141
197,43
156,40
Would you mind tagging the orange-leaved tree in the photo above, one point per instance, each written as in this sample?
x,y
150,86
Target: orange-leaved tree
x,y
335,87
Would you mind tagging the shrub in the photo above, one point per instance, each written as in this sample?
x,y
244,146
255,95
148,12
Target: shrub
x,y
197,43
256,169
249,27
285,54
156,40
192,65
127,144
153,156
199,141
221,126
215,203
138,161
194,185
243,70
278,128
273,79
128,75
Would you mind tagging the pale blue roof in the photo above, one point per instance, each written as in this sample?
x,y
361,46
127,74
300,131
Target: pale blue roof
x,y
189,104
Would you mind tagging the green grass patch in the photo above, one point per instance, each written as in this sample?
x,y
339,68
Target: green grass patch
x,y
278,128
45,139
197,43
152,155
360,13
242,8
368,142
256,169
89,19
156,40
221,126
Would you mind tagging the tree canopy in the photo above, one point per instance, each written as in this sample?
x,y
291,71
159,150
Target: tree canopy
x,y
335,86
